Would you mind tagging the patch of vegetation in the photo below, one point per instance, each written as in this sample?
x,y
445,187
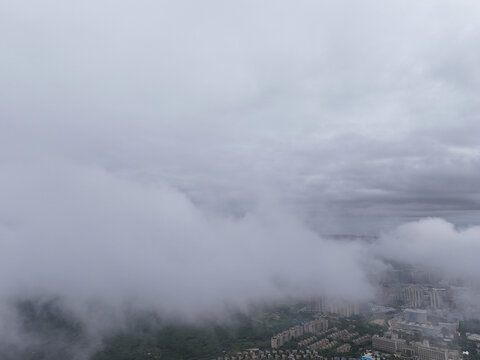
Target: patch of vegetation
x,y
187,342
48,332
470,326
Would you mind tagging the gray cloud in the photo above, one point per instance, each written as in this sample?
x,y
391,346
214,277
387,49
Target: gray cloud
x,y
434,243
90,234
346,109
105,246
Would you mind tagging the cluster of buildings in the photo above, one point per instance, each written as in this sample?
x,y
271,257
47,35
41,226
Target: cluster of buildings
x,y
322,344
421,351
334,307
342,335
331,341
362,339
307,341
256,354
416,320
313,327
419,295
323,339
411,274
415,295
344,348
474,337
345,309
316,327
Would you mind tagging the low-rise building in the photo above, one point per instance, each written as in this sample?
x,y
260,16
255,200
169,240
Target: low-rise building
x,y
316,326
421,351
388,345
344,348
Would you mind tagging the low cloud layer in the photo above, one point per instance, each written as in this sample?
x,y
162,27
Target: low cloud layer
x,y
436,244
105,247
89,234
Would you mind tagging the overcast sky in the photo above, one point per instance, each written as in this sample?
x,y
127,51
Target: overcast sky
x,y
359,115
202,146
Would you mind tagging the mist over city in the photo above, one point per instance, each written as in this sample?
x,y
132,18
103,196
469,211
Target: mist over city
x,y
239,180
